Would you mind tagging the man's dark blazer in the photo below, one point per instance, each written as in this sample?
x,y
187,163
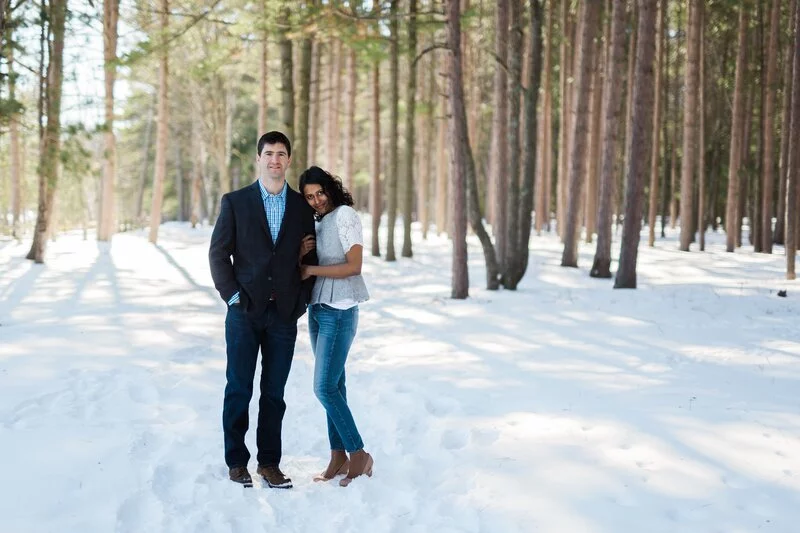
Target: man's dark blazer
x,y
259,265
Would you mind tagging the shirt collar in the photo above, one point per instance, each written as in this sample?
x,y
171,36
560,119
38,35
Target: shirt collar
x,y
266,194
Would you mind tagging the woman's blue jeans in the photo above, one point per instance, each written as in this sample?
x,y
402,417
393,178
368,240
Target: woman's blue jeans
x,y
332,332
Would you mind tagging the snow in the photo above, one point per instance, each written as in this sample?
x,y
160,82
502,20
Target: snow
x,y
565,406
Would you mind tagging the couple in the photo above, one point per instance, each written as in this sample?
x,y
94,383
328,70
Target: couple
x,y
269,260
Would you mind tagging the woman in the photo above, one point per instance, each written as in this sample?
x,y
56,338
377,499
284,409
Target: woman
x,y
333,314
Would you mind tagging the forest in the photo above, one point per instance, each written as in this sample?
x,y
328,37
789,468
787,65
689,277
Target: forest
x,y
588,119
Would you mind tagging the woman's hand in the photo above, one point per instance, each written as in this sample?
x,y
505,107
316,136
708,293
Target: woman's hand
x,y
306,245
305,272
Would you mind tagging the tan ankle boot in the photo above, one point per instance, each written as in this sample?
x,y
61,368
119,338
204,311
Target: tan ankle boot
x,y
360,463
338,465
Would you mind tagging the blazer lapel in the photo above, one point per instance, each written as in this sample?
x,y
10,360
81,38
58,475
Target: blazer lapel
x,y
261,215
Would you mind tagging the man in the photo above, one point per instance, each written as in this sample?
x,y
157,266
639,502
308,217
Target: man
x,y
254,255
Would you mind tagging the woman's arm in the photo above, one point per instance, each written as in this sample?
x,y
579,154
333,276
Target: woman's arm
x,y
351,266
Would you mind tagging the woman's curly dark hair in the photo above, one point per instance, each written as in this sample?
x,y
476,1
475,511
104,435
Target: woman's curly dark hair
x,y
332,185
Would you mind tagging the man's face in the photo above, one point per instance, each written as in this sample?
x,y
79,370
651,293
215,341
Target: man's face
x,y
273,161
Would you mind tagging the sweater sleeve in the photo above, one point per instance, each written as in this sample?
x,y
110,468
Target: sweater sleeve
x,y
348,223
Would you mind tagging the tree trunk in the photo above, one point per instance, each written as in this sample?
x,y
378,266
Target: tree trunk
x,y
51,138
530,135
667,151
221,115
545,144
148,134
590,13
391,171
411,100
601,268
13,134
375,161
262,78
334,95
287,85
732,216
744,167
197,165
640,146
498,159
701,132
459,150
657,107
689,160
620,189
674,158
793,174
313,122
300,143
350,121
768,165
442,168
515,43
106,226
592,179
426,151
162,130
780,223
564,127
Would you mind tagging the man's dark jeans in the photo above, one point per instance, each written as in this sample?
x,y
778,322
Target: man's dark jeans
x,y
244,336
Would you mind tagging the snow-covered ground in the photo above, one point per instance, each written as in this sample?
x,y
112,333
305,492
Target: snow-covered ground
x,y
563,407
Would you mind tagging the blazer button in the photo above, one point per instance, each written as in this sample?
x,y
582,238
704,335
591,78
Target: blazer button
x,y
269,278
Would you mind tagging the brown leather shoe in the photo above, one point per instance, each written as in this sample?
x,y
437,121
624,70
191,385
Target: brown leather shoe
x,y
360,463
338,466
274,477
239,474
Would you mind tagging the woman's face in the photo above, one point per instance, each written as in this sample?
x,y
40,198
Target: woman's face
x,y
316,198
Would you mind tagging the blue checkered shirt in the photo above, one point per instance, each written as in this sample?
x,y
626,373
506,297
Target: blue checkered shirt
x,y
274,209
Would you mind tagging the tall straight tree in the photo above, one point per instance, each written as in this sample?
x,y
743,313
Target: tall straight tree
x,y
780,223
564,126
411,99
442,167
428,126
793,171
732,215
334,96
287,81
391,171
689,160
105,228
303,108
593,153
459,151
590,13
767,167
545,144
162,121
657,107
14,147
50,145
314,113
350,119
518,262
375,159
498,162
611,113
511,181
262,74
701,133
640,145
